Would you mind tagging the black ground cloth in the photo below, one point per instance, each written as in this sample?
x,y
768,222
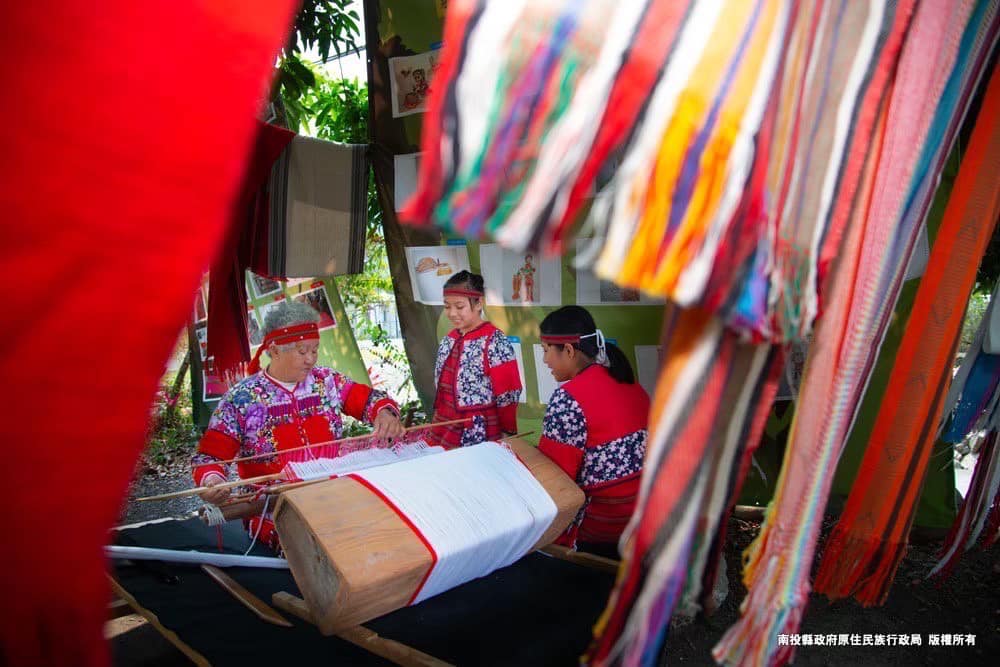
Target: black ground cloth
x,y
539,611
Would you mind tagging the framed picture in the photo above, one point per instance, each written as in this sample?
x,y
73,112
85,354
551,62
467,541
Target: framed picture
x,y
212,385
200,305
594,291
405,170
648,361
255,332
515,342
546,382
263,286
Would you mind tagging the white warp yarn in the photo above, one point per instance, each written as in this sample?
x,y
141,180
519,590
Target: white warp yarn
x,y
359,460
479,507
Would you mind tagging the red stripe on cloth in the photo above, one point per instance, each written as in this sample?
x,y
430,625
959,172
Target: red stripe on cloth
x,y
416,531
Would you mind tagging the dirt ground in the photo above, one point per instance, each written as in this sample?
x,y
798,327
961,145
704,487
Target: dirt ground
x,y
967,604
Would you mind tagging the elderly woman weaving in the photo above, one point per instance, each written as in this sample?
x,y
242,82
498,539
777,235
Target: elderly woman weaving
x,y
291,403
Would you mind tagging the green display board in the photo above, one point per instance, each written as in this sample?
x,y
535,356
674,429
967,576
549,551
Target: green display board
x,y
629,320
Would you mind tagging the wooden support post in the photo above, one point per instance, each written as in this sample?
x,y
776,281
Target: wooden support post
x,y
260,608
582,558
118,608
195,657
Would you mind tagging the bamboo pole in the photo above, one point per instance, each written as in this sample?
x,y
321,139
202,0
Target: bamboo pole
x,y
202,489
326,443
277,476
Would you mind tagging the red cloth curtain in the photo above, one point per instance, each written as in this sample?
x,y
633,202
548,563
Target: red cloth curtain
x,y
128,129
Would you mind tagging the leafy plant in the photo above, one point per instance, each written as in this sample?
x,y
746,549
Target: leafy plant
x,y
978,303
321,25
172,435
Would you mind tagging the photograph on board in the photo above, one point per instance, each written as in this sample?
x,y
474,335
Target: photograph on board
x,y
263,286
430,268
317,299
410,79
520,278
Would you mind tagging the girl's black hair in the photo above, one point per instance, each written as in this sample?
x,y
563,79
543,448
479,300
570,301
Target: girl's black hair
x,y
467,280
570,320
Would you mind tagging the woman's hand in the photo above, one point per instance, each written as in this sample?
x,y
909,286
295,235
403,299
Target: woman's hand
x,y
387,425
214,496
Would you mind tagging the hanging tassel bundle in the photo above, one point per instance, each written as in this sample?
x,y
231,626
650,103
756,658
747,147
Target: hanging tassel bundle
x,y
695,446
884,253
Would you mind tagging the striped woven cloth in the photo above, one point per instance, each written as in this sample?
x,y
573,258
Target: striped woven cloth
x,y
868,542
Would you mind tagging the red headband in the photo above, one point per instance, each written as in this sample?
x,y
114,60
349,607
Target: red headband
x,y
283,336
461,291
562,339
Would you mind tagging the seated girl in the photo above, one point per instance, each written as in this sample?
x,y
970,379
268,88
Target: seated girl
x,y
594,427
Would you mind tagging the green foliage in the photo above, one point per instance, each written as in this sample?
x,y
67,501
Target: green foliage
x,y
989,267
172,435
320,25
978,304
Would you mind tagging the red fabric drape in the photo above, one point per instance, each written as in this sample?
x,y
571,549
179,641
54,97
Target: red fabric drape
x,y
118,174
245,248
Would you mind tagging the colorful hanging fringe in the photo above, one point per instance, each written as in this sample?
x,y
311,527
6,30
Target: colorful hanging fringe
x,y
758,163
682,94
867,544
921,118
698,447
980,502
640,636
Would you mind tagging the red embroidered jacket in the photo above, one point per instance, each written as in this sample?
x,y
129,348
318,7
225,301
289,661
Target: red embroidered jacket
x,y
476,376
259,416
595,430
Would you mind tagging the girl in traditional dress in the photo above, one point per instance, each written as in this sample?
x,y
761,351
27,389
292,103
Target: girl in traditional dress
x,y
476,371
594,427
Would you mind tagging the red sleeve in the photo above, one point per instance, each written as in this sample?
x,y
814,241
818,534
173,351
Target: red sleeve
x,y
379,404
363,402
357,400
214,445
505,378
